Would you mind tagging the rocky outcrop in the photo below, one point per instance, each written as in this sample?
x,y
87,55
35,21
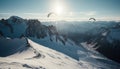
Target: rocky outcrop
x,y
36,29
5,22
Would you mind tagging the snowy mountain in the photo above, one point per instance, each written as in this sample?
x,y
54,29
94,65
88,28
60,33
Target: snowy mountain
x,y
13,27
28,44
42,34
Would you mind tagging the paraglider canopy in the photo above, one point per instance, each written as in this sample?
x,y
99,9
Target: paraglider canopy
x,y
51,13
92,19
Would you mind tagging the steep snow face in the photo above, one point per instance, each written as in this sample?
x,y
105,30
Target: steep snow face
x,y
34,56
70,48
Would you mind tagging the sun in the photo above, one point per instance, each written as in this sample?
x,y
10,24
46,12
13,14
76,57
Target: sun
x,y
59,9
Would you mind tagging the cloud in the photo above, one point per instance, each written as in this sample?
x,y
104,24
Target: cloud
x,y
36,14
83,14
4,13
109,18
91,13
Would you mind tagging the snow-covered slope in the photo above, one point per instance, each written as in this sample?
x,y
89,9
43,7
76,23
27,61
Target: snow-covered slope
x,y
70,48
35,56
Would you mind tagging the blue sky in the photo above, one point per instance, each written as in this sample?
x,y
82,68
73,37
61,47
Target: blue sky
x,y
71,9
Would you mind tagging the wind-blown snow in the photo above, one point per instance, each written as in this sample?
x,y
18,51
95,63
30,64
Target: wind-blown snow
x,y
37,57
69,48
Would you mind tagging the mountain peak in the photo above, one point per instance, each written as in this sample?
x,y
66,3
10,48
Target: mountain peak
x,y
15,17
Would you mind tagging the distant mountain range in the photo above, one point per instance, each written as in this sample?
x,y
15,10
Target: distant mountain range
x,y
103,35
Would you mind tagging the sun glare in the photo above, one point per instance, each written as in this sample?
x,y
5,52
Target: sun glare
x,y
58,9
